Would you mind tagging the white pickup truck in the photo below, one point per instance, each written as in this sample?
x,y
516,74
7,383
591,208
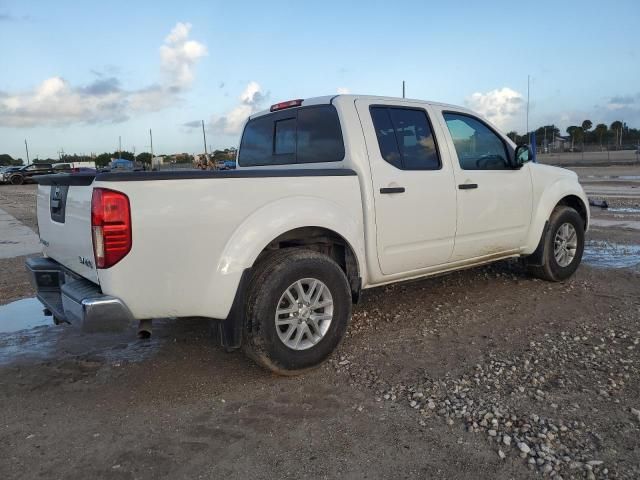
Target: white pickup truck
x,y
332,195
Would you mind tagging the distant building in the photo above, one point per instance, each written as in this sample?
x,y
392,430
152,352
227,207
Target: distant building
x,y
559,143
157,162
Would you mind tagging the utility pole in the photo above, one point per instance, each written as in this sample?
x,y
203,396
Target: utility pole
x,y
403,89
27,149
119,147
204,138
151,139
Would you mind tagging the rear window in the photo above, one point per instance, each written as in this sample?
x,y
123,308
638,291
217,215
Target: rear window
x,y
304,135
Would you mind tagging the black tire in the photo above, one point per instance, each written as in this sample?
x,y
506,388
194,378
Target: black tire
x,y
17,180
271,279
550,269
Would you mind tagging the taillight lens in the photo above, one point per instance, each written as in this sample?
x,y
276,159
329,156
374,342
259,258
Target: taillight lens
x,y
288,104
110,226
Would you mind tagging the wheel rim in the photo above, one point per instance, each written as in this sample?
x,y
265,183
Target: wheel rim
x,y
304,313
565,244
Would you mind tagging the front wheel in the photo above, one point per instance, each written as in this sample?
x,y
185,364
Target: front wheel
x,y
563,245
17,180
298,310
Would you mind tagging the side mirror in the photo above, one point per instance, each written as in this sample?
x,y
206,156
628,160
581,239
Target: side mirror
x,y
523,155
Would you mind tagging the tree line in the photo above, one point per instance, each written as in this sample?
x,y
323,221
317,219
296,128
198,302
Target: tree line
x,y
618,135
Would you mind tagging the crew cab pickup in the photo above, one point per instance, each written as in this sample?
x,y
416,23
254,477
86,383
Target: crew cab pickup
x,y
331,195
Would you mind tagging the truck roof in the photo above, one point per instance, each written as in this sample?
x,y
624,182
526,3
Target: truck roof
x,y
326,99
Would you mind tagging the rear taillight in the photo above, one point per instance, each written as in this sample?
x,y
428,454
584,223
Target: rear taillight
x,y
110,226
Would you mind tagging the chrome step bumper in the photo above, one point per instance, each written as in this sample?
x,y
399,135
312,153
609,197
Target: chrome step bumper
x,y
75,299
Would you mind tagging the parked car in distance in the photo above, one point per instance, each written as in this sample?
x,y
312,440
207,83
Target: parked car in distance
x,y
226,165
7,170
331,195
27,174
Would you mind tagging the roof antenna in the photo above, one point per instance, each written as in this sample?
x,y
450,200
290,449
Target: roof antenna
x,y
402,88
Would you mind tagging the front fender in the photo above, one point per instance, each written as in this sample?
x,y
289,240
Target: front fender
x,y
280,216
548,198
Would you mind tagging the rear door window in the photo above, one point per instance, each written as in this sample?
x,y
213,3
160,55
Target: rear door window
x,y
405,138
303,135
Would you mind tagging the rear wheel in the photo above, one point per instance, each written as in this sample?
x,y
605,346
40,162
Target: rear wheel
x,y
563,245
17,180
298,309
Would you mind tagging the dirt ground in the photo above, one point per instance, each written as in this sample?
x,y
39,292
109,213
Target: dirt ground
x,y
485,373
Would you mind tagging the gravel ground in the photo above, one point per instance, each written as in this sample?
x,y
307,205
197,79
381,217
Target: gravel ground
x,y
485,373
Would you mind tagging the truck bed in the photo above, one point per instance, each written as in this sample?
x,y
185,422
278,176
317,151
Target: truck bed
x,y
193,232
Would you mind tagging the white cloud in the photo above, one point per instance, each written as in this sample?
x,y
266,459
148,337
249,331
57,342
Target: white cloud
x,y
179,55
251,100
503,106
56,102
343,91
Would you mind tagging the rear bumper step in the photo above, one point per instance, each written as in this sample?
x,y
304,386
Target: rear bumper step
x,y
75,299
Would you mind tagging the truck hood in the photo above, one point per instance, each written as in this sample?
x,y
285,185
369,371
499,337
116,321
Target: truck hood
x,y
550,172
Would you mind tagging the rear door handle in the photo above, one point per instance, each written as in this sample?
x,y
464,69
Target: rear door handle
x,y
392,190
467,186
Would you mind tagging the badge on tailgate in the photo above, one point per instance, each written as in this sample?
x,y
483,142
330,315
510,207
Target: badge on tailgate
x,y
58,202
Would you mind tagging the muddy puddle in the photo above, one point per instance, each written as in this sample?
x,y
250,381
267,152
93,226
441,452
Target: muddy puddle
x,y
611,255
22,314
26,335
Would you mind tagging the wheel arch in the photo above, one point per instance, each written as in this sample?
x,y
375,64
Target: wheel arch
x,y
578,205
281,224
562,192
323,240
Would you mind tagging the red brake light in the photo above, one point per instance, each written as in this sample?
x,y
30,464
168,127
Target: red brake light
x,y
289,104
110,226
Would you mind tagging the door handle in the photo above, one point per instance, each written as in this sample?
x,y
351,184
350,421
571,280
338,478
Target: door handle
x,y
467,186
392,190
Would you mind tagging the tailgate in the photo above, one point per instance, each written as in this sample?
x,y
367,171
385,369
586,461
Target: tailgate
x,y
64,221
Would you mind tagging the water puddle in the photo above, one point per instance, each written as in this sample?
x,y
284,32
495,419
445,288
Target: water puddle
x,y
21,315
611,255
624,210
25,336
615,177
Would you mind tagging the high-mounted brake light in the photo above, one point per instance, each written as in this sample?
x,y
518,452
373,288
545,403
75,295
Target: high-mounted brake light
x,y
289,104
110,226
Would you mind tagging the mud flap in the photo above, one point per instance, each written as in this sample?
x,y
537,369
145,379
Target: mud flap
x,y
535,259
230,329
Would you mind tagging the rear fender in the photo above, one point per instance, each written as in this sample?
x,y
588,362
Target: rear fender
x,y
278,217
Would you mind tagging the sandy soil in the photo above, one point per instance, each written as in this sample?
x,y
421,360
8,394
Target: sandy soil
x,y
432,376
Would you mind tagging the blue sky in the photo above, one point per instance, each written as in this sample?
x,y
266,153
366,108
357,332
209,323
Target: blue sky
x,y
78,77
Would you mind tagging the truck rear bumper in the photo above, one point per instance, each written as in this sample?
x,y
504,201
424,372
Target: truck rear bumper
x,y
76,300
